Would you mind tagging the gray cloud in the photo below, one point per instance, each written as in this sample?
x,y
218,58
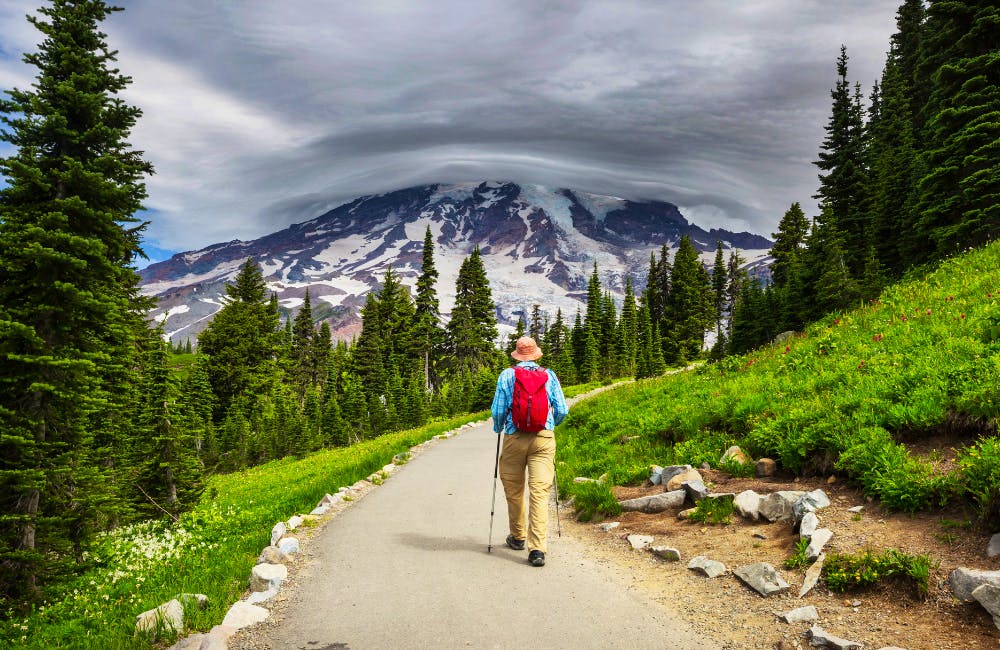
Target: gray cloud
x,y
258,115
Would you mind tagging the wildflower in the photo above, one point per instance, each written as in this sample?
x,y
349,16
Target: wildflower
x,y
903,318
787,350
928,312
862,364
963,316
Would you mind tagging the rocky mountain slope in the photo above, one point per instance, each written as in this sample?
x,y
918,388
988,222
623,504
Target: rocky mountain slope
x,y
539,246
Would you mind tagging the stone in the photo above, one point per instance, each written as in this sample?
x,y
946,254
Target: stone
x,y
294,522
192,642
288,545
686,514
261,596
809,502
272,555
856,509
655,474
603,478
831,480
800,615
319,510
218,638
707,567
696,490
666,553
655,502
167,617
964,581
328,499
784,337
678,480
808,525
670,471
583,479
609,526
989,597
766,467
820,638
278,530
242,615
747,505
993,548
777,506
639,542
813,574
193,600
267,576
734,454
389,469
817,541
763,578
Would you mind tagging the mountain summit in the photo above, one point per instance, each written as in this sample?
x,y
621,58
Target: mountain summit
x,y
539,246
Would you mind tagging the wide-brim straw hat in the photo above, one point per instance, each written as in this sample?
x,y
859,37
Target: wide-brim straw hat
x,y
526,350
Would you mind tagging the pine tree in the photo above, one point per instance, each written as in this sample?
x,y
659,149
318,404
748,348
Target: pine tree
x,y
689,306
719,282
300,355
629,324
68,294
428,335
472,330
788,243
537,328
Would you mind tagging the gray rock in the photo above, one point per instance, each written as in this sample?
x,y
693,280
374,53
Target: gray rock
x,y
856,509
817,541
584,479
319,510
784,336
272,555
799,615
168,616
666,553
242,615
964,581
812,575
677,480
192,642
267,576
777,506
820,638
609,526
989,597
993,548
218,638
809,502
276,532
808,525
288,545
763,578
193,600
640,542
667,473
747,504
256,597
655,474
710,568
655,502
696,490
295,522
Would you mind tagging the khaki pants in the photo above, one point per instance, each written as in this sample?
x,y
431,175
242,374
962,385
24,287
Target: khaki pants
x,y
535,452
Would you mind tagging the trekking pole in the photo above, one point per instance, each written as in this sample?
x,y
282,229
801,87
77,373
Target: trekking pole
x,y
555,483
493,506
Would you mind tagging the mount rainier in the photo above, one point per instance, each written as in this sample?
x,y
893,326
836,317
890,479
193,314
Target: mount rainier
x,y
538,244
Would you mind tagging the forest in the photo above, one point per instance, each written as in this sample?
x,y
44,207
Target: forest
x,y
103,424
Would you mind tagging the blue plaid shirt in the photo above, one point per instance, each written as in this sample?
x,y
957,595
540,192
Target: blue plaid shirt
x,y
505,395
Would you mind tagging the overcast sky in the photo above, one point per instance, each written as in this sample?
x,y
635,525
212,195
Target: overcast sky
x,y
261,114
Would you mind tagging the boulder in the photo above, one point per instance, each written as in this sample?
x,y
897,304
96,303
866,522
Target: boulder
x,y
655,502
319,510
703,565
670,471
763,578
295,522
735,454
820,638
218,638
784,336
964,581
640,542
583,479
812,575
686,514
192,642
167,617
856,509
809,502
267,576
276,532
678,480
655,474
808,525
989,597
777,506
666,553
993,548
609,526
272,555
817,541
242,615
261,596
288,545
747,505
766,467
799,615
695,490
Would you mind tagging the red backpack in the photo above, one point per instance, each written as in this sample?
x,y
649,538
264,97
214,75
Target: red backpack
x,y
530,405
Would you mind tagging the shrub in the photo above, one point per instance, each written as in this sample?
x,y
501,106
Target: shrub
x,y
594,499
843,572
799,559
713,510
980,479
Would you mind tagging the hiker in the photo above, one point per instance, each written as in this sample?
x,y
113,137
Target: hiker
x,y
531,446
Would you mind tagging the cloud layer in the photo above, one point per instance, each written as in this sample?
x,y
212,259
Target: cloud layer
x,y
258,115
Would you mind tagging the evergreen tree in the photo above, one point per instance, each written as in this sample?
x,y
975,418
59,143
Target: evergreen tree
x,y
689,306
300,355
629,325
537,328
578,345
719,282
788,243
559,350
472,329
319,354
427,334
69,308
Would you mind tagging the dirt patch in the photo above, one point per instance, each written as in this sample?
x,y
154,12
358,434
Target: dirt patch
x,y
725,609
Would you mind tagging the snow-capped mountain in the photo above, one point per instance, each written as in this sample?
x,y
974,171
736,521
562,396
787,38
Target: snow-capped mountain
x,y
538,244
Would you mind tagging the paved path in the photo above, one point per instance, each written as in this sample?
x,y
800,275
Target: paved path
x,y
407,567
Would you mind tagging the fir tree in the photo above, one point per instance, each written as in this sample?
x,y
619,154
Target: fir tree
x,y
472,329
689,306
69,305
428,335
719,282
788,243
300,355
629,324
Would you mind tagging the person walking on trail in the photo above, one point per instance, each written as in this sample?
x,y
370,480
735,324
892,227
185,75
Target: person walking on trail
x,y
527,406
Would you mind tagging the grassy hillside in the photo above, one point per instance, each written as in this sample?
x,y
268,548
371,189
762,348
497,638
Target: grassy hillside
x,y
844,397
211,550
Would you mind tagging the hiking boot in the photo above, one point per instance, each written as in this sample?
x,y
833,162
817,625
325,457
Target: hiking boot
x,y
515,543
537,558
